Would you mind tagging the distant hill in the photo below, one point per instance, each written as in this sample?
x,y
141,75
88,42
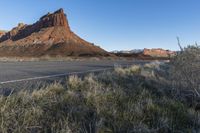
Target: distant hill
x,y
145,53
128,51
51,35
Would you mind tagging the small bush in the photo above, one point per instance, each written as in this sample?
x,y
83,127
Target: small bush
x,y
135,69
185,71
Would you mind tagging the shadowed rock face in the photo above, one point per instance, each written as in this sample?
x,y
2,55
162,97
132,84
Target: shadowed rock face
x,y
51,35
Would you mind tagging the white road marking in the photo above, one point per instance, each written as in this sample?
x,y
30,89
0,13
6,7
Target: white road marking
x,y
51,76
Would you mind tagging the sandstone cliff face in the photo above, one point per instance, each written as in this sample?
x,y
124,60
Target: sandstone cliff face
x,y
2,33
58,18
51,35
158,52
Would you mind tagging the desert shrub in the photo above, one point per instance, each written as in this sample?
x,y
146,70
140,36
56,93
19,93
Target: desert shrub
x,y
185,71
111,101
134,69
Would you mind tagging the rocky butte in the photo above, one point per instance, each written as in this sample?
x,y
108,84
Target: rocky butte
x,y
50,35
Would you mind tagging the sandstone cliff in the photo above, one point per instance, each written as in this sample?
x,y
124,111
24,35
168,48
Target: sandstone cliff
x,y
50,35
158,52
2,33
146,54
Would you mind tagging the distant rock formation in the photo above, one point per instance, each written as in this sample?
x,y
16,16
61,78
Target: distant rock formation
x,y
2,33
146,54
51,35
158,52
134,51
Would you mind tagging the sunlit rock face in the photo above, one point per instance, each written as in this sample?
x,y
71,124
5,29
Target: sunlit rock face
x,y
50,35
158,52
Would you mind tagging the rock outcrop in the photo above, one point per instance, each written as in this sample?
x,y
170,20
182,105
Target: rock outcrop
x,y
146,54
58,18
51,35
158,52
2,33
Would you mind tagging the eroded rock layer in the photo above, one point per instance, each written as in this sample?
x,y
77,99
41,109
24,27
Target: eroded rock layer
x,y
158,52
51,35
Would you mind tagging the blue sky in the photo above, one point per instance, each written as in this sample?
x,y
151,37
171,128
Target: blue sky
x,y
116,24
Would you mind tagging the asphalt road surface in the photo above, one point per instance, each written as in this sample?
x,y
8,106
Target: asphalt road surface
x,y
13,74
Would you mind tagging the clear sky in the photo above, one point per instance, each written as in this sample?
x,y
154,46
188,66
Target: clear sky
x,y
116,24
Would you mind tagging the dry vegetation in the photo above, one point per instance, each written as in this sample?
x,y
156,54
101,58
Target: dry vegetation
x,y
185,71
52,58
127,100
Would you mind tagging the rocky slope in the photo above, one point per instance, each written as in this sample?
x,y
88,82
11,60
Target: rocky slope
x,y
51,35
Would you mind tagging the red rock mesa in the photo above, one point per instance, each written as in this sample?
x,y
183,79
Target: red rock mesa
x,y
51,35
158,52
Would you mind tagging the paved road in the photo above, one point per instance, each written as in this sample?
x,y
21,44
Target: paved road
x,y
17,74
11,71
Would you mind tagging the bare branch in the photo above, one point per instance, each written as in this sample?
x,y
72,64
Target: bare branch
x,y
179,44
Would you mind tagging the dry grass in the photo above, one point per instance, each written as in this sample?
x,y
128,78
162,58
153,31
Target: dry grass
x,y
49,58
118,101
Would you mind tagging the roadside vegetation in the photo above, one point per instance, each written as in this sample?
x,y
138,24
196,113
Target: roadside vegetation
x,y
51,58
155,97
